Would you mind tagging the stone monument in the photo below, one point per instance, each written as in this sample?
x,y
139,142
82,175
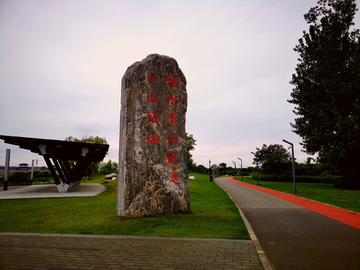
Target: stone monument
x,y
153,173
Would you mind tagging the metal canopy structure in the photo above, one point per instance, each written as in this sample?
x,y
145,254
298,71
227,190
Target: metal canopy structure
x,y
58,154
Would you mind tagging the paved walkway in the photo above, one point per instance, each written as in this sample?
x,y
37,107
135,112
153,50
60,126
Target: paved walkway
x,y
294,237
60,252
342,215
50,191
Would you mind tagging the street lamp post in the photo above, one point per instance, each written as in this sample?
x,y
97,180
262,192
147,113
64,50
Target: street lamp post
x,y
293,163
257,167
235,168
241,169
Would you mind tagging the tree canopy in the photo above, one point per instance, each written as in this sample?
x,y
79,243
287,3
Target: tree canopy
x,y
326,91
274,159
190,146
108,167
94,166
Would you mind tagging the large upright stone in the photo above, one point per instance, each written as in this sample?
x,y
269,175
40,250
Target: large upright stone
x,y
153,173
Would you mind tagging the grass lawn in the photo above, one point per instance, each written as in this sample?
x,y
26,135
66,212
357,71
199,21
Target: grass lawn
x,y
213,215
326,193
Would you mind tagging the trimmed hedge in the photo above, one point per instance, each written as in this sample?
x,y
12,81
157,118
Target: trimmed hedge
x,y
23,178
331,179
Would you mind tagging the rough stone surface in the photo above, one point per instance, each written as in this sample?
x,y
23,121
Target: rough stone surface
x,y
110,176
153,158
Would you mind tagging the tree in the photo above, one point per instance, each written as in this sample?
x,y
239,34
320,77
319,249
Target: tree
x,y
223,165
87,139
190,146
274,159
108,167
326,89
201,169
94,166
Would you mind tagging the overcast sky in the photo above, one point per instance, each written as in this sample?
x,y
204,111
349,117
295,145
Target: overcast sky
x,y
61,64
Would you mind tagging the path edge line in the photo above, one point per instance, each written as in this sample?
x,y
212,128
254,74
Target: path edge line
x,y
262,256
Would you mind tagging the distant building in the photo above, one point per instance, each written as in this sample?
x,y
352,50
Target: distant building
x,y
24,167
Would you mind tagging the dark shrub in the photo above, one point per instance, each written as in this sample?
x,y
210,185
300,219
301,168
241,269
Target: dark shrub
x,y
19,178
285,178
347,183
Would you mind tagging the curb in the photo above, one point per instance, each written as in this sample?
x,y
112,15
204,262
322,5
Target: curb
x,y
126,237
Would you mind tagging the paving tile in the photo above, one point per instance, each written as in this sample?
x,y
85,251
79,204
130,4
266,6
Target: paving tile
x,y
28,251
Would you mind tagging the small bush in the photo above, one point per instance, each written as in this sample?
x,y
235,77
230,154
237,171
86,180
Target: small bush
x,y
19,178
268,177
41,174
332,179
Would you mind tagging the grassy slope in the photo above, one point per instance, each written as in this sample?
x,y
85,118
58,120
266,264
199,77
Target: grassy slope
x,y
213,215
326,193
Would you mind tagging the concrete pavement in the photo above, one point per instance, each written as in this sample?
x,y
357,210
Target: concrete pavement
x,y
294,237
50,191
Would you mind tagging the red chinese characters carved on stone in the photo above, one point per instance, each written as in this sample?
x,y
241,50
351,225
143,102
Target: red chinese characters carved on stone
x,y
172,99
152,117
151,78
172,139
174,178
173,119
171,81
153,139
171,157
152,99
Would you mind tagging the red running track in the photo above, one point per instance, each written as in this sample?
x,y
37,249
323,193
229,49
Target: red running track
x,y
344,216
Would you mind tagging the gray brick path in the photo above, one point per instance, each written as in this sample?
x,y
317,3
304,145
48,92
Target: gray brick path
x,y
60,252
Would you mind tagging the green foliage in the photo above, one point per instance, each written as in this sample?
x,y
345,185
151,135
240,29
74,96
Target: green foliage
x,y
19,178
202,170
331,179
190,142
93,168
190,146
42,174
87,139
316,169
326,91
23,178
274,159
223,165
108,167
213,215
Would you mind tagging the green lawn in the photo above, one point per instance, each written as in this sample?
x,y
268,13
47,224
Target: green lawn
x,y
326,193
213,215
